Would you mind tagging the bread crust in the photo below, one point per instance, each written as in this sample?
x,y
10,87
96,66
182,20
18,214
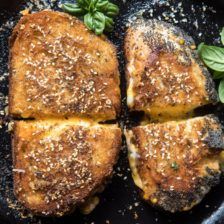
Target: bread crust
x,y
178,162
58,165
60,69
164,74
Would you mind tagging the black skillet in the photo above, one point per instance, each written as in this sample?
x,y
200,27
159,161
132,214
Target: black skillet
x,y
120,203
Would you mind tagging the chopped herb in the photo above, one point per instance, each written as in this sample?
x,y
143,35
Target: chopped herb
x,y
174,165
97,14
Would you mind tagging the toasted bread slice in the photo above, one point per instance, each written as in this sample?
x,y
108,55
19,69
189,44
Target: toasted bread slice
x,y
60,69
165,76
60,164
176,163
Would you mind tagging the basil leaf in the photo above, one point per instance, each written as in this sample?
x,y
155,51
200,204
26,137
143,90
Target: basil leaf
x,y
101,5
98,14
218,75
95,22
73,9
88,20
92,6
213,57
200,46
222,36
84,4
221,91
109,24
112,10
98,22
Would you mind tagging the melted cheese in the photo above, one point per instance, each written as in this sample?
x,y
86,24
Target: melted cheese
x,y
133,156
130,93
89,205
85,122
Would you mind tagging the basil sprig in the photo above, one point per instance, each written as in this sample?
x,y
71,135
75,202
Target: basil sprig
x,y
222,36
213,57
221,90
97,14
95,22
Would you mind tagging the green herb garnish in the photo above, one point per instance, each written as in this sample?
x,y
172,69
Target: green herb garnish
x,y
97,14
174,165
222,36
221,91
213,57
218,75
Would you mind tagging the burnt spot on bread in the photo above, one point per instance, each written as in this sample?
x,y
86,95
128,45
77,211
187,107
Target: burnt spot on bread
x,y
176,201
214,138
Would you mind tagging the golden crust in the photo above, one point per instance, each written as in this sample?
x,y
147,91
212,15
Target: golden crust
x,y
177,162
164,75
58,165
59,68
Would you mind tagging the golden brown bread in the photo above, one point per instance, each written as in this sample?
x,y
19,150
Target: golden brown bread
x,y
164,76
59,68
60,164
176,163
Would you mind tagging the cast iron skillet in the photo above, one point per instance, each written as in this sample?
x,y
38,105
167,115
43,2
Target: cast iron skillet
x,y
120,203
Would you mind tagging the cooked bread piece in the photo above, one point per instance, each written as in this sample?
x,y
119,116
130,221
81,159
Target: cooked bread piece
x,y
165,77
59,165
176,163
59,68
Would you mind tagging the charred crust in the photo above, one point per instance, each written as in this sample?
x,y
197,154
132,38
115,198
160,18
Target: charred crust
x,y
168,45
174,201
214,137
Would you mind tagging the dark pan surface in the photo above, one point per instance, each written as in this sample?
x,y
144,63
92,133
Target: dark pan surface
x,y
120,203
